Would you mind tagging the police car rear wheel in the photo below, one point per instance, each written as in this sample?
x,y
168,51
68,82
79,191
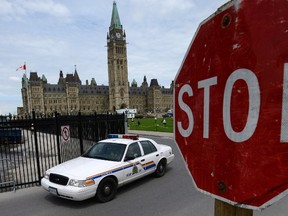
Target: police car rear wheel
x,y
161,168
106,190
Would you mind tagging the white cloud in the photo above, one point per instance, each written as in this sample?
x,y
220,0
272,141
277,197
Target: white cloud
x,y
14,78
171,6
16,9
46,6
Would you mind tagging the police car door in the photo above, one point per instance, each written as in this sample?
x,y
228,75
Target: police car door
x,y
151,156
132,161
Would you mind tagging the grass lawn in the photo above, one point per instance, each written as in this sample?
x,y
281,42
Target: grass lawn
x,y
149,124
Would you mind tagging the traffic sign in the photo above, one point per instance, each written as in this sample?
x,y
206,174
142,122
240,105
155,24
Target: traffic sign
x,y
231,104
65,133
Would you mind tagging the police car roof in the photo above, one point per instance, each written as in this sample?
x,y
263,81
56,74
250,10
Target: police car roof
x,y
125,141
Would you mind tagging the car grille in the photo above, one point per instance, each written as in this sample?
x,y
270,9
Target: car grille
x,y
58,179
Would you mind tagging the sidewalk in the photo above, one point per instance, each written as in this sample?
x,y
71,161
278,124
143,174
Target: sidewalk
x,y
151,133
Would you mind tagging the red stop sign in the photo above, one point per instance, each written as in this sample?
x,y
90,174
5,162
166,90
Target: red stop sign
x,y
231,104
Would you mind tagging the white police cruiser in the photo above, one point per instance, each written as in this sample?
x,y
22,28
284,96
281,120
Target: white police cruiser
x,y
108,164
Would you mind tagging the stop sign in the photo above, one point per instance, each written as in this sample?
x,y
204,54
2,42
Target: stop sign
x,y
231,104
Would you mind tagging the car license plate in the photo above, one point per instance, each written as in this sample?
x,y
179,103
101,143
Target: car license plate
x,y
53,191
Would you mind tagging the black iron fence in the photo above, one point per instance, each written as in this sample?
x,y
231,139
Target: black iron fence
x,y
29,146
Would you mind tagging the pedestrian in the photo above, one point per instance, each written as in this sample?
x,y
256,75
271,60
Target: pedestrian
x,y
164,122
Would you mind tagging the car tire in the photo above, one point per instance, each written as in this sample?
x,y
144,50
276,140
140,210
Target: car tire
x,y
106,190
161,168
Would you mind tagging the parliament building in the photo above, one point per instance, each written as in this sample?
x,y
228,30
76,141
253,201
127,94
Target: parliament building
x,y
70,95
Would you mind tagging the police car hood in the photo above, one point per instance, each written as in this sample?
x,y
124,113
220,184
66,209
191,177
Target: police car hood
x,y
82,168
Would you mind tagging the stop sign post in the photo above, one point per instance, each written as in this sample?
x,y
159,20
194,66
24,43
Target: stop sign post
x,y
231,104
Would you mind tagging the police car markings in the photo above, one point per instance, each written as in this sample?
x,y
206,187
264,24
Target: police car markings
x,y
148,165
145,166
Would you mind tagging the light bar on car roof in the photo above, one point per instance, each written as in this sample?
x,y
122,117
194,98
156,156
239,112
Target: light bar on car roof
x,y
124,136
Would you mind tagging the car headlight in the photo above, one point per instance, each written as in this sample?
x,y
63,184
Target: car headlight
x,y
47,175
81,183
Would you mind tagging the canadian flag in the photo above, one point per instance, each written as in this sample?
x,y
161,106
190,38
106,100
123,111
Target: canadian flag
x,y
22,67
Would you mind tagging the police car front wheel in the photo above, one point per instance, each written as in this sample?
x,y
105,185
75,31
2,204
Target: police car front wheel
x,y
106,190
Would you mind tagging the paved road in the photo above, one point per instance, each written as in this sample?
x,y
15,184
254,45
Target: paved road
x,y
170,195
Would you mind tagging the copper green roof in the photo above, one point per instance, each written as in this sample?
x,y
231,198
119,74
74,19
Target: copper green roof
x,y
115,19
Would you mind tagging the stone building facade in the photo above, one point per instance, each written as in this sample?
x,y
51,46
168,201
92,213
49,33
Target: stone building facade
x,y
69,95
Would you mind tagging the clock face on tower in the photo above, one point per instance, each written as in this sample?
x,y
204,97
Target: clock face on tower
x,y
118,35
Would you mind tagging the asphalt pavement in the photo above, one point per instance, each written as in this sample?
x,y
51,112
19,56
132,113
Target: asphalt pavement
x,y
172,195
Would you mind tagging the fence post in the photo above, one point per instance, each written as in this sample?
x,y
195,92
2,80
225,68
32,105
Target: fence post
x,y
58,136
36,145
107,125
125,123
96,127
80,133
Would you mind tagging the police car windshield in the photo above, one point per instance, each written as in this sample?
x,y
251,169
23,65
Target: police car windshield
x,y
106,151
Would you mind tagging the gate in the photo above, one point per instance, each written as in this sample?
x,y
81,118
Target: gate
x,y
29,146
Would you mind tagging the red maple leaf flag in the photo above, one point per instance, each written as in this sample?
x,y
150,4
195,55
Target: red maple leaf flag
x,y
22,67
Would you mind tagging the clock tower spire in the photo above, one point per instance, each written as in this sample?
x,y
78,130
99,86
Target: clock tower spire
x,y
117,63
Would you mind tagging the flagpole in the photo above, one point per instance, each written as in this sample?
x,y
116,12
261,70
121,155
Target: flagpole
x,y
27,91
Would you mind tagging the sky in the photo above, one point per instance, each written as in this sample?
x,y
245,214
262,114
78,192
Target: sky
x,y
54,35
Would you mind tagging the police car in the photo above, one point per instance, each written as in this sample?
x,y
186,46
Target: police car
x,y
107,165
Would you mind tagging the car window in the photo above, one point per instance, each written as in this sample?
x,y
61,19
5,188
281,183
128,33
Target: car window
x,y
148,147
133,151
106,151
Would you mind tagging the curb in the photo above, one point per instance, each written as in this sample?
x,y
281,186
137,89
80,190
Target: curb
x,y
152,133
